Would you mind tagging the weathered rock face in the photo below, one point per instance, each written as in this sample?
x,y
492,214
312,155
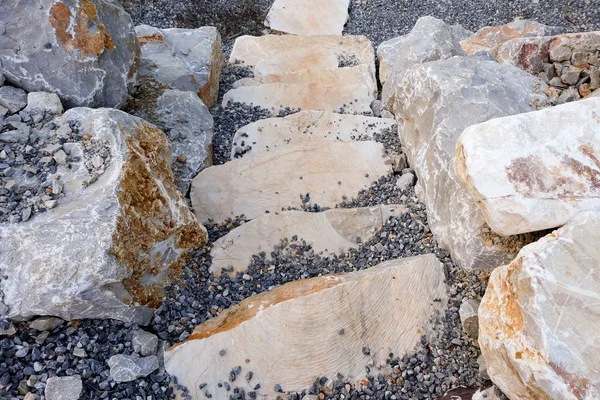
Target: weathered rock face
x,y
533,171
272,182
183,59
332,231
430,39
539,319
434,103
300,18
112,242
490,37
385,307
189,125
305,128
83,50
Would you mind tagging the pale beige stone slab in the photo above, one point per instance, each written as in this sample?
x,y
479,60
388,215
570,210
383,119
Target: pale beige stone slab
x,y
332,232
539,321
307,128
296,60
293,333
533,171
308,17
272,182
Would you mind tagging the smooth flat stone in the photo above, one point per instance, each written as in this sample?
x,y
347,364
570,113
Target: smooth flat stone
x,y
296,60
308,17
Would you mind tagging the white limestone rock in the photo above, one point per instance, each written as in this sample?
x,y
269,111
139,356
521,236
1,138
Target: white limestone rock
x,y
272,182
85,51
44,103
539,320
63,388
533,171
296,60
315,327
183,59
386,55
107,249
333,231
308,17
434,103
306,128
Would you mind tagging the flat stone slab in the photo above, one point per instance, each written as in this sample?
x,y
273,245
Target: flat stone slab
x,y
533,171
307,128
540,317
272,182
333,231
296,60
313,328
308,17
250,50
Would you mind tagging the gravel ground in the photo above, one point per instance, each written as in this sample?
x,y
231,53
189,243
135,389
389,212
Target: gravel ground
x,y
381,20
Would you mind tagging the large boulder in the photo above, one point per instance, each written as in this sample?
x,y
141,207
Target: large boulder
x,y
540,317
86,51
434,103
533,171
430,40
122,229
280,340
183,59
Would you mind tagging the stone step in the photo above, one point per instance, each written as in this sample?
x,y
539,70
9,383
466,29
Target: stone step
x,y
278,97
306,128
350,50
295,60
313,328
300,18
272,182
333,231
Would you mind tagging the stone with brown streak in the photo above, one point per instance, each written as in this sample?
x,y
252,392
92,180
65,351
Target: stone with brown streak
x,y
83,50
108,248
539,320
313,328
533,171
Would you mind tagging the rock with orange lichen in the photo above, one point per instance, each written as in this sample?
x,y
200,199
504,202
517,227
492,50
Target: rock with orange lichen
x,y
85,51
539,321
111,245
313,328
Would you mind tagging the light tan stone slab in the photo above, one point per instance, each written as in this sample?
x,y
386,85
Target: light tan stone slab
x,y
274,181
333,231
276,97
539,321
307,128
291,334
250,50
308,17
533,171
296,60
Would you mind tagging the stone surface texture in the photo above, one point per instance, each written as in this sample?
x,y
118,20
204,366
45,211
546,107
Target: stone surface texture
x,y
189,125
430,40
85,51
539,319
333,231
109,246
434,103
302,18
63,388
384,308
490,37
43,102
125,368
272,182
533,171
306,128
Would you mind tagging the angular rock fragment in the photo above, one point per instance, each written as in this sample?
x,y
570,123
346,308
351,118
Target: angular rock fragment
x,y
539,319
85,51
290,177
434,103
289,337
301,18
490,37
183,59
468,317
13,99
63,388
306,128
129,368
332,231
533,171
42,102
111,244
144,343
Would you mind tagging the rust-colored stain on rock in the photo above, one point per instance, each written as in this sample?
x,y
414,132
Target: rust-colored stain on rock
x,y
87,36
154,38
577,385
